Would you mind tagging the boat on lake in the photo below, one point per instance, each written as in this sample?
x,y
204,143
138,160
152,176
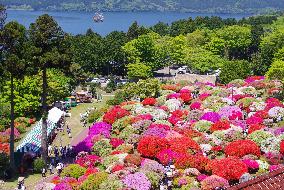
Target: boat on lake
x,y
99,17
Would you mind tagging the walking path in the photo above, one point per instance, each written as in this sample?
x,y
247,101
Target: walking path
x,y
77,128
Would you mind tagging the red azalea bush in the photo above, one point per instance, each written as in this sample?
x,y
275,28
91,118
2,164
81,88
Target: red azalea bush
x,y
183,161
190,133
141,117
88,161
117,167
273,102
254,127
174,120
197,161
177,115
114,113
5,148
133,159
115,142
90,171
217,148
149,102
149,146
220,125
261,114
167,155
254,120
195,106
180,113
163,126
240,148
183,145
282,147
230,168
186,97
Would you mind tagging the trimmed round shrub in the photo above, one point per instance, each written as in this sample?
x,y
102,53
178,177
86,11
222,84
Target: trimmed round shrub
x,y
259,136
241,148
94,181
111,185
102,147
73,170
38,165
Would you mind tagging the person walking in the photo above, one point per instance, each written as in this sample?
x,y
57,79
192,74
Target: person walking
x,y
69,132
59,168
49,149
56,154
43,172
50,168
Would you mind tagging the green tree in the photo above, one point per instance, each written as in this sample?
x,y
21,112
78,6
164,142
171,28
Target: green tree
x,y
114,56
138,71
276,70
28,92
238,69
144,50
280,54
182,27
135,30
177,50
269,46
14,37
48,38
202,61
198,38
88,53
27,95
161,28
231,42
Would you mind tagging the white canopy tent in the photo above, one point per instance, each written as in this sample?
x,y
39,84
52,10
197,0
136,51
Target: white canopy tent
x,y
32,140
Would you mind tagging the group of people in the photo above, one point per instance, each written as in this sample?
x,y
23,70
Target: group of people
x,y
57,156
59,167
60,153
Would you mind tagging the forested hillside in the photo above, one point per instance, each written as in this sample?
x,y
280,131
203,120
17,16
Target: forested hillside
x,y
217,6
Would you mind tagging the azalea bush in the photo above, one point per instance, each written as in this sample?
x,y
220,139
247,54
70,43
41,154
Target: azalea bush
x,y
213,139
73,170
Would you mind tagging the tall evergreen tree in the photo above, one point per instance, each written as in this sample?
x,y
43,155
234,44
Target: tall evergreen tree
x,y
14,38
48,39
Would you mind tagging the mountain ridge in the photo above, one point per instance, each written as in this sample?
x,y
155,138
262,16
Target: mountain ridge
x,y
217,6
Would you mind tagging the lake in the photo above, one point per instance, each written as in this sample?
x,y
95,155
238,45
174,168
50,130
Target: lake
x,y
79,22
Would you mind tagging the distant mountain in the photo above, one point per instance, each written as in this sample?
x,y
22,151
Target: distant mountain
x,y
214,6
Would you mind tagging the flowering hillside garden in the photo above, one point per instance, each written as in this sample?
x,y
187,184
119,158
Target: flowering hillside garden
x,y
215,136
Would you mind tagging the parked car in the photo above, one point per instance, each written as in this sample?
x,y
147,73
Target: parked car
x,y
102,80
122,81
182,70
95,80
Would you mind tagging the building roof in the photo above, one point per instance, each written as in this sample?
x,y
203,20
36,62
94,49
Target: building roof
x,y
271,181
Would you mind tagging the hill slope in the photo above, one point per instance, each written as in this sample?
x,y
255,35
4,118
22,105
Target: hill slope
x,y
149,5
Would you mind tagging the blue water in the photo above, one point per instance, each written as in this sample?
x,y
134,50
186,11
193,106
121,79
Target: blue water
x,y
79,22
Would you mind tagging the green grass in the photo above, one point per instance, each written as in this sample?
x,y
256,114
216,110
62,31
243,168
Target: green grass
x,y
30,180
74,121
